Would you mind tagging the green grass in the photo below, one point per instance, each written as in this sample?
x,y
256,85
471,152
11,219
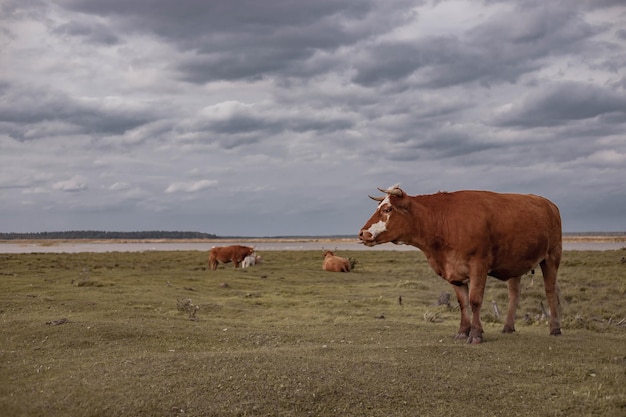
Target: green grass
x,y
156,334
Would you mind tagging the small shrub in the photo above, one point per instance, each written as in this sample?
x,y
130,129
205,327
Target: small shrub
x,y
186,306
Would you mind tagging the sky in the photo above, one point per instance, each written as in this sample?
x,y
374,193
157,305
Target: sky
x,y
279,117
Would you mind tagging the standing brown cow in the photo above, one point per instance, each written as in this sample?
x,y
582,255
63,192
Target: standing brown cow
x,y
226,254
334,263
469,235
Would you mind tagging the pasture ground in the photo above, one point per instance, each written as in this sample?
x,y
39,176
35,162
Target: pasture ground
x,y
156,334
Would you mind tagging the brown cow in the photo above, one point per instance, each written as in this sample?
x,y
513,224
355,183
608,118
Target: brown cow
x,y
226,254
468,235
334,263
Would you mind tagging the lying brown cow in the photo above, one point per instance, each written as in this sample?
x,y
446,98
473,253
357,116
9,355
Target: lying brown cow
x,y
334,263
469,235
226,254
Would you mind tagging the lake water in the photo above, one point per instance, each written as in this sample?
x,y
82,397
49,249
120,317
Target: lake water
x,y
74,247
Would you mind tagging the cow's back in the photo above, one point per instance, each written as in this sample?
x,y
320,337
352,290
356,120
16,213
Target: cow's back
x,y
510,232
220,253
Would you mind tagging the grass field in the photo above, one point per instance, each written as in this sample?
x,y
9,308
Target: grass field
x,y
156,334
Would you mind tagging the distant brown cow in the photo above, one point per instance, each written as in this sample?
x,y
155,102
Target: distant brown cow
x,y
226,254
469,235
334,263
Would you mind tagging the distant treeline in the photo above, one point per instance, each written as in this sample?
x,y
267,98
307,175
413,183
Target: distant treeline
x,y
97,234
161,234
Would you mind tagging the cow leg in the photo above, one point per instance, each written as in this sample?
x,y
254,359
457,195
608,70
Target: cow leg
x,y
476,293
462,296
514,294
549,268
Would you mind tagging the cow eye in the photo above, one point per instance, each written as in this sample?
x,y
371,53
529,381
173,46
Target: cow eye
x,y
386,209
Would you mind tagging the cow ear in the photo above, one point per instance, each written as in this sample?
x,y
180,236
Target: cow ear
x,y
400,201
398,197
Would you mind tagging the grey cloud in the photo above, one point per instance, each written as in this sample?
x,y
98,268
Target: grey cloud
x,y
247,39
502,49
93,32
454,143
23,9
389,61
534,27
208,26
438,145
190,187
230,142
435,63
563,102
132,107
24,111
601,4
72,185
186,17
282,50
234,124
242,123
234,65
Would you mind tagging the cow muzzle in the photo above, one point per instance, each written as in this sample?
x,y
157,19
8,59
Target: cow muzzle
x,y
366,238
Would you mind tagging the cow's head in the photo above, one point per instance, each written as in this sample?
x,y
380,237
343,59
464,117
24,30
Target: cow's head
x,y
389,221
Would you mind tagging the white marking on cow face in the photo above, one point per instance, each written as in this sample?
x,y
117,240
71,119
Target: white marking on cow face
x,y
387,200
384,211
377,228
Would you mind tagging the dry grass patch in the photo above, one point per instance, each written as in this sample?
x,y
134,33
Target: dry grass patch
x,y
162,336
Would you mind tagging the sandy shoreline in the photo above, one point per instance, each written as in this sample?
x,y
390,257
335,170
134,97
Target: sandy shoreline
x,y
570,242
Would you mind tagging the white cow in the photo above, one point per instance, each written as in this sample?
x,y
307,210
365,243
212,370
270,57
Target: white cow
x,y
251,260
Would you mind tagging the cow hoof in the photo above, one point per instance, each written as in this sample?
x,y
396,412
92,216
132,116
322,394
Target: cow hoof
x,y
475,336
508,329
475,340
460,336
555,332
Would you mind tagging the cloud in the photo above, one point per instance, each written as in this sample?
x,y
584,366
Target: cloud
x,y
608,157
190,187
248,40
120,186
94,32
561,102
295,111
502,48
29,112
75,184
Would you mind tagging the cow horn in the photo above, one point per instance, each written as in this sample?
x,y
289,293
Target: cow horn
x,y
379,199
397,192
392,191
